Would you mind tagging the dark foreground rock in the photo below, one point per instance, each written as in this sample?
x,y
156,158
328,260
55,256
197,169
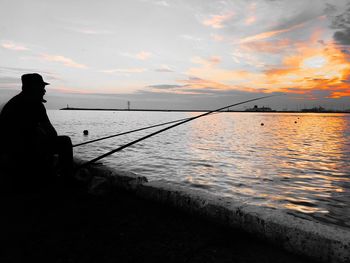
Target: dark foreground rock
x,y
74,226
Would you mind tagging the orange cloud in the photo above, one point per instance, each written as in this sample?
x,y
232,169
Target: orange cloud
x,y
198,83
216,21
13,46
312,66
267,46
236,77
64,60
250,20
340,94
217,38
306,67
124,70
210,62
251,17
269,34
143,55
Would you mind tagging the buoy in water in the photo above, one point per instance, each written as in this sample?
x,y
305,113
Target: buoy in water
x,y
86,132
295,122
262,124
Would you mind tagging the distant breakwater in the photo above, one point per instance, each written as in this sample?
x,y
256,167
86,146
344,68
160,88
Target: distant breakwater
x,y
196,110
158,110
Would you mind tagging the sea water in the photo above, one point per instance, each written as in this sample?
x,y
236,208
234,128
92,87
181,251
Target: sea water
x,y
297,162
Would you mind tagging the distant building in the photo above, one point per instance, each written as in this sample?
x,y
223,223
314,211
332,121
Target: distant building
x,y
315,109
260,109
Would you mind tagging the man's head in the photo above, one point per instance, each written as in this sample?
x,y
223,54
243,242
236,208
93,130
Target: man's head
x,y
33,84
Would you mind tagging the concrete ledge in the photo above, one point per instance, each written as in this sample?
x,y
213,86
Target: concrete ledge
x,y
300,236
318,241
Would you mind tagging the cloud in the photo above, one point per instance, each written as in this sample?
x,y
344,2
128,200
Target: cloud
x,y
192,85
339,94
342,37
222,76
9,80
173,89
243,56
251,18
68,62
277,46
14,46
309,66
209,62
269,34
10,83
166,86
200,83
340,22
192,38
323,68
91,31
161,3
164,68
142,55
217,21
157,2
22,70
124,70
299,13
217,38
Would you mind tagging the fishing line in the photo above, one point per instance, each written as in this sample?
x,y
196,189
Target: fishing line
x,y
167,128
127,132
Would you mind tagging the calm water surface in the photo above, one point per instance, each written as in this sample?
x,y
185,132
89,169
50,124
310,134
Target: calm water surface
x,y
296,162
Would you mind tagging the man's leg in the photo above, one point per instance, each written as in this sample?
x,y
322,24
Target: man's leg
x,y
63,147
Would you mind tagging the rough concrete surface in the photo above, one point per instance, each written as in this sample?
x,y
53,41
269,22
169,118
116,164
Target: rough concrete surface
x,y
121,227
315,240
120,217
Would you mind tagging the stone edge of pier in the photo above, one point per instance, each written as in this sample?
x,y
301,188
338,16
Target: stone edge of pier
x,y
315,240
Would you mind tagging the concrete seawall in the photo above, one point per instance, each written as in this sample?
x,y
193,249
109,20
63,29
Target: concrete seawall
x,y
315,240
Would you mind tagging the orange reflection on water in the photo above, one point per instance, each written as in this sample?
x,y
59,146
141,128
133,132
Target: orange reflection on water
x,y
290,159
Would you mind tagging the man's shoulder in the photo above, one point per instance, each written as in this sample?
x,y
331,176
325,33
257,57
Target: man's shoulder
x,y
16,103
15,99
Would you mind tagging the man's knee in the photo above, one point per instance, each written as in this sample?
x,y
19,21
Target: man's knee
x,y
63,145
64,140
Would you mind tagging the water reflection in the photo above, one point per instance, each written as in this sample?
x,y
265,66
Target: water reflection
x,y
296,162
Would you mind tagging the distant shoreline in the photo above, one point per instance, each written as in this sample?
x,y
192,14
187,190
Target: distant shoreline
x,y
164,110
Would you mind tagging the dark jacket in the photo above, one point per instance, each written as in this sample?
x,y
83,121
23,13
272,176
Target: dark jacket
x,y
24,126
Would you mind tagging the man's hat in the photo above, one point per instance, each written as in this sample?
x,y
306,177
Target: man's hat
x,y
33,79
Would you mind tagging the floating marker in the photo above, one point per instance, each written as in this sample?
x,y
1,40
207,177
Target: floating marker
x,y
262,124
86,132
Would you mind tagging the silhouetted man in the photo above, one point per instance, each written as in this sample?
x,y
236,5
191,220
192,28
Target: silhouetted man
x,y
28,140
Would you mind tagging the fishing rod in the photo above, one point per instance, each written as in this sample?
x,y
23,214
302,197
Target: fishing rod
x,y
167,128
131,131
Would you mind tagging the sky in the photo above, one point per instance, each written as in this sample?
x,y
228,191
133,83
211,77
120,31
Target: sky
x,y
179,54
